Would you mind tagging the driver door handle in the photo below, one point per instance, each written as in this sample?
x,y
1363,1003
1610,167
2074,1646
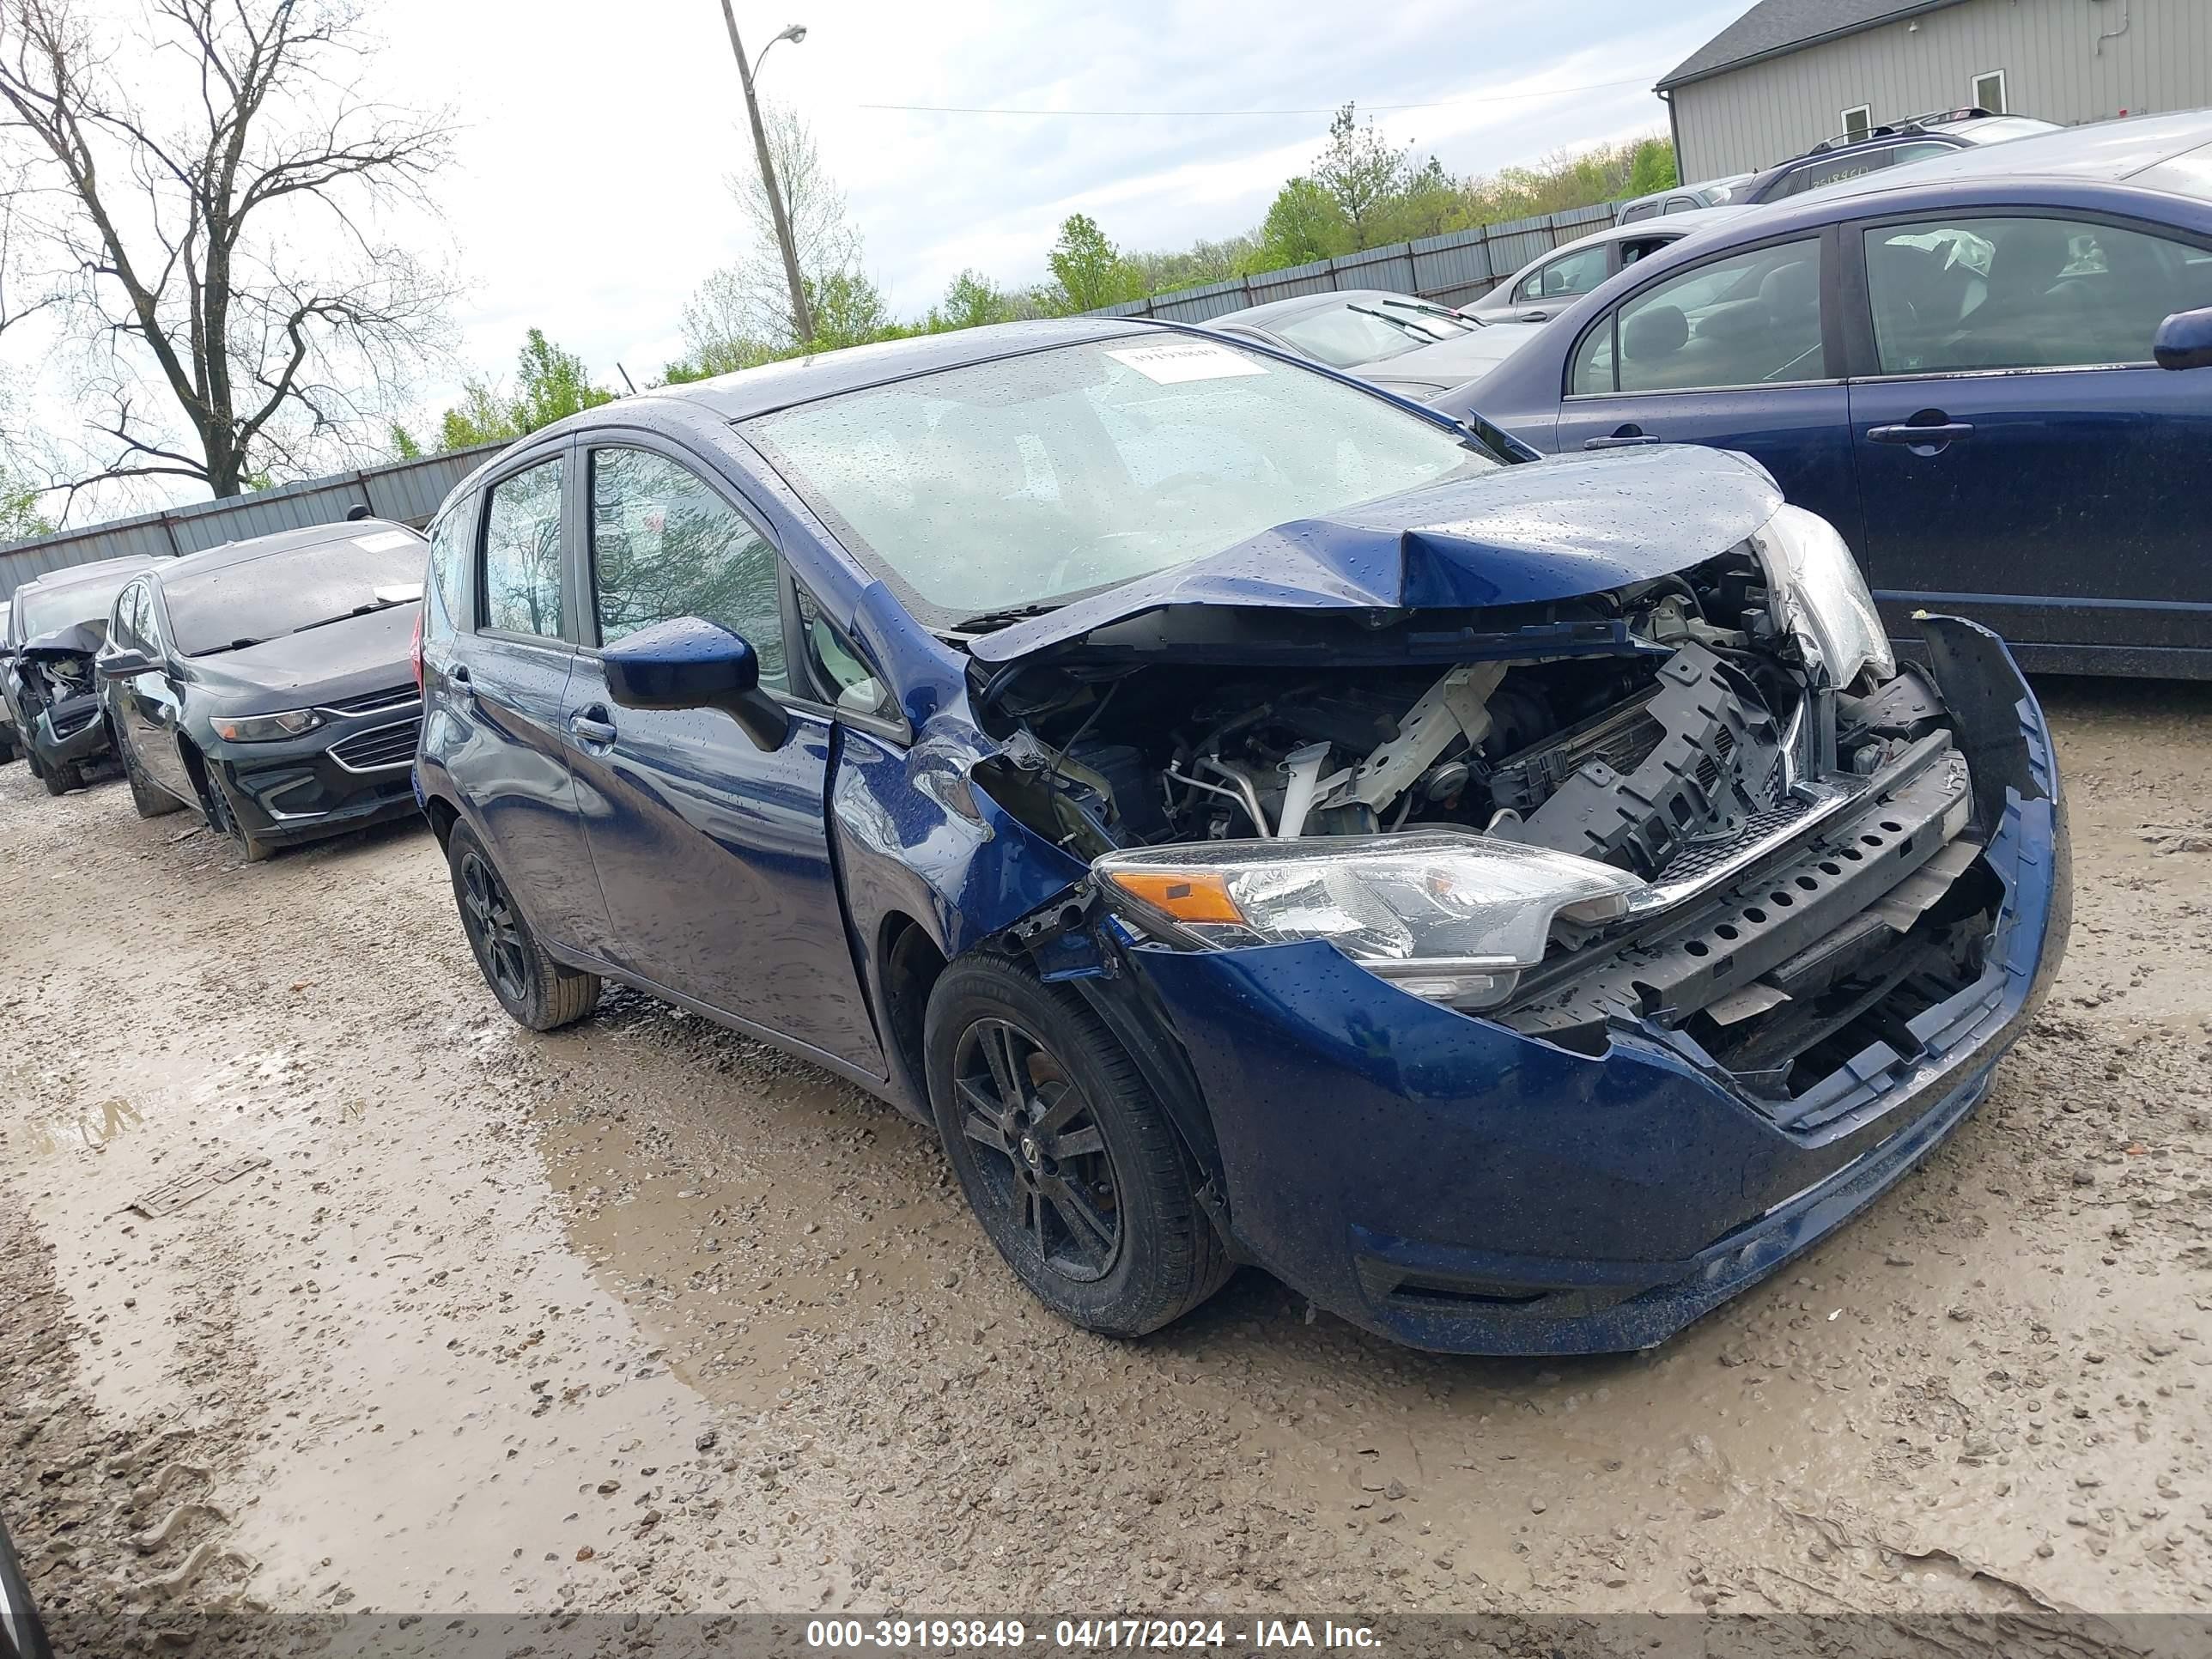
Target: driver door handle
x,y
591,725
1622,437
1948,432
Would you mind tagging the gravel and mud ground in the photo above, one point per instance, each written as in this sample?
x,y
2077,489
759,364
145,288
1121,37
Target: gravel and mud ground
x,y
642,1317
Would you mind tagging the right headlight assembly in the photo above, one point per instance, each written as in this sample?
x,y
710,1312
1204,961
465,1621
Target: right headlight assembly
x,y
1821,596
1446,914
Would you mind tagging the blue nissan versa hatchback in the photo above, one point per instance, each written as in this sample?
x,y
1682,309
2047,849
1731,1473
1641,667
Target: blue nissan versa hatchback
x,y
1519,902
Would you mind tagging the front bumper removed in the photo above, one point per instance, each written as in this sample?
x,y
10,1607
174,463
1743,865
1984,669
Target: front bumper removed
x,y
1457,1185
70,731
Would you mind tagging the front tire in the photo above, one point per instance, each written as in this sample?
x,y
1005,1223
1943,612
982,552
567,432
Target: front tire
x,y
59,779
536,990
224,822
147,798
1065,1156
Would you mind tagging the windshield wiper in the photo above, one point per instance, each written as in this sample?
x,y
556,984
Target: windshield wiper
x,y
369,610
217,650
986,621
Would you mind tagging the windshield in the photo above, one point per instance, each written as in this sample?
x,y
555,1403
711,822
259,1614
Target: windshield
x,y
67,607
256,599
1345,336
1028,480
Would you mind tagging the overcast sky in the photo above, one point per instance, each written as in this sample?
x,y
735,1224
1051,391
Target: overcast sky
x,y
589,198
587,195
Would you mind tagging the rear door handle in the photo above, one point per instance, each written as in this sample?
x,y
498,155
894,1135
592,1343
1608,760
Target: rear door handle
x,y
1948,432
1621,438
590,727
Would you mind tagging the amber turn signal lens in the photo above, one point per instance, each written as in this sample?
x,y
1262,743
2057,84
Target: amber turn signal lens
x,y
1189,896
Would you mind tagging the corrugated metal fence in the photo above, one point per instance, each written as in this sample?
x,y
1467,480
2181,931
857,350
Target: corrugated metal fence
x,y
1453,268
407,491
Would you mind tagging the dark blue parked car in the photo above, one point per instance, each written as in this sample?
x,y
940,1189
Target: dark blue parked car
x,y
1520,903
1954,364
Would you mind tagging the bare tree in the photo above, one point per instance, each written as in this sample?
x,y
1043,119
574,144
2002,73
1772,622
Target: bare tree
x,y
822,230
218,242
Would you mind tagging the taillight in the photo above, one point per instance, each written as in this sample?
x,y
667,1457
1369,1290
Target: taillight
x,y
414,653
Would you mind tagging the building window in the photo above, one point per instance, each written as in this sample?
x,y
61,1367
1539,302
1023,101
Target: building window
x,y
1989,92
1858,121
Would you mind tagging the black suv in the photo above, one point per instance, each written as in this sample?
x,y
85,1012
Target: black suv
x,y
1916,138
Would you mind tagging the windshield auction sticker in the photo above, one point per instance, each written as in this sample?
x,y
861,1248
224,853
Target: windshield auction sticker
x,y
1187,360
384,542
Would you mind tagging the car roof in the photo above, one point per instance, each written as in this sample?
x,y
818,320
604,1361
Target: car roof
x,y
2106,152
54,581
1299,305
282,541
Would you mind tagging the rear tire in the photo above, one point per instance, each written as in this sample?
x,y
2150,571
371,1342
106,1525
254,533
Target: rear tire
x,y
1067,1159
537,991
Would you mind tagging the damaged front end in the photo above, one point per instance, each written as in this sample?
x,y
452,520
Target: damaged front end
x,y
60,699
1549,971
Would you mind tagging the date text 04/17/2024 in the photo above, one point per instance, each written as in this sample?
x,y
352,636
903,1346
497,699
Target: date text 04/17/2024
x,y
1083,1635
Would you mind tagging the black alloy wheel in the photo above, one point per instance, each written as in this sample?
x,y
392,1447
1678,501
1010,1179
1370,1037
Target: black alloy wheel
x,y
494,931
1073,1168
1045,1160
535,989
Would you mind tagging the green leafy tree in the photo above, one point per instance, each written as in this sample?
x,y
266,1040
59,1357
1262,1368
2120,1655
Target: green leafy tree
x,y
482,417
1430,202
971,301
849,311
405,444
553,384
1653,168
20,518
1303,223
549,384
1091,270
1362,172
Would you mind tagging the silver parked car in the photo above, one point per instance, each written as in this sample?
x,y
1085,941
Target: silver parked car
x,y
1547,284
1683,198
1409,346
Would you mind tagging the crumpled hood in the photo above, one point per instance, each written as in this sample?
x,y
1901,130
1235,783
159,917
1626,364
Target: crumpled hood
x,y
354,658
77,640
1545,530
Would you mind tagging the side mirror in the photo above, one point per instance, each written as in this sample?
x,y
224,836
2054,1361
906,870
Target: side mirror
x,y
691,663
2184,340
122,665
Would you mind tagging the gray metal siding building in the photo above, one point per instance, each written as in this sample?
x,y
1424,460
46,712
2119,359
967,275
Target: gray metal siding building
x,y
1789,73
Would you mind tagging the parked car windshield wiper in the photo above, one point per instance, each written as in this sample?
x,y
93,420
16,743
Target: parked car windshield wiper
x,y
369,610
985,621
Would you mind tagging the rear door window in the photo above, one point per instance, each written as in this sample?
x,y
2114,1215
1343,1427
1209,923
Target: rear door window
x,y
666,543
1995,293
1565,277
1749,319
522,553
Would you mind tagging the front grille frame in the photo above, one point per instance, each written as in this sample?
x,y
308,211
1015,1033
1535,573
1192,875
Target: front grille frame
x,y
377,748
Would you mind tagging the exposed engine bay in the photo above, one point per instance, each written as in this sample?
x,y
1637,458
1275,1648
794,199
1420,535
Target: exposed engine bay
x,y
1633,757
1672,732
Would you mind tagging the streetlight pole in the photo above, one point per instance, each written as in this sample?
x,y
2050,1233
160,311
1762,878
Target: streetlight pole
x,y
802,314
